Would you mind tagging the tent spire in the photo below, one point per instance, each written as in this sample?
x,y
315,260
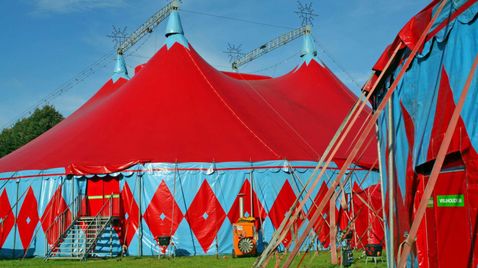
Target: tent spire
x,y
174,31
120,70
309,50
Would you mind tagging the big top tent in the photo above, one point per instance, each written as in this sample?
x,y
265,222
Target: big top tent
x,y
170,149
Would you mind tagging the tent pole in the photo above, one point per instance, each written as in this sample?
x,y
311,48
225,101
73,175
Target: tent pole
x,y
15,222
352,205
329,153
380,172
261,230
73,198
349,176
140,225
73,209
332,230
281,232
407,244
390,178
369,126
251,191
172,204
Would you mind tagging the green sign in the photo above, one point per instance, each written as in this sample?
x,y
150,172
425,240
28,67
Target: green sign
x,y
456,200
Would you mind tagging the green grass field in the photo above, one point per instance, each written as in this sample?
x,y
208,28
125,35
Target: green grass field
x,y
319,260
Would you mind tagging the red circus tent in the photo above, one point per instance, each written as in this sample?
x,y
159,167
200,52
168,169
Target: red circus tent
x,y
188,111
162,143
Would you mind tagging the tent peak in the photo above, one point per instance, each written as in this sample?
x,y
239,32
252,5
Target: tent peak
x,y
308,45
174,31
120,70
309,50
174,25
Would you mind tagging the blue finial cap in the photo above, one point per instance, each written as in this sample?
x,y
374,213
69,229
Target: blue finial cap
x,y
308,47
174,31
174,24
309,50
120,70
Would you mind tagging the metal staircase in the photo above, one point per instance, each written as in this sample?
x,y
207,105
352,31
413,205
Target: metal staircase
x,y
79,240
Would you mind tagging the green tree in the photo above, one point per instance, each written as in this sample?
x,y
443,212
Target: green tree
x,y
27,129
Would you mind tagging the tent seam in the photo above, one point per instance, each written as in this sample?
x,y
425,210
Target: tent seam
x,y
230,108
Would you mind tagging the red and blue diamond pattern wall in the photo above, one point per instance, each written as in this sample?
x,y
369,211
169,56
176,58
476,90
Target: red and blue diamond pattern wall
x,y
195,203
29,205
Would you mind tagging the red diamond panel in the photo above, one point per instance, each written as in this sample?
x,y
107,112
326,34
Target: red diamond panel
x,y
7,218
259,211
163,214
27,218
130,213
321,228
281,206
54,208
205,216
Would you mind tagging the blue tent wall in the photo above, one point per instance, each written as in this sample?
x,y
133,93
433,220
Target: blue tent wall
x,y
183,181
453,50
27,237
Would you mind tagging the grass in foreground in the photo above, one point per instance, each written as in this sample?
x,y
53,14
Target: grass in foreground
x,y
322,259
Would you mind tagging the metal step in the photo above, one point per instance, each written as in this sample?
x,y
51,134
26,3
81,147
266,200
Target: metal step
x,y
80,239
65,258
69,251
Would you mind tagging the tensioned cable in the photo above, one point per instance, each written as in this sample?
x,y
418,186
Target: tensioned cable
x,y
356,215
328,180
217,66
229,107
69,84
355,138
341,132
237,19
91,69
74,81
280,116
336,63
276,64
285,121
278,234
342,69
139,46
370,125
296,132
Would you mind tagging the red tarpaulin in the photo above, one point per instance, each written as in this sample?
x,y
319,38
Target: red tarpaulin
x,y
179,108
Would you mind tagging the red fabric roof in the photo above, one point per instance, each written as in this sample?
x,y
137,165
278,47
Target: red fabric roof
x,y
315,102
179,108
243,76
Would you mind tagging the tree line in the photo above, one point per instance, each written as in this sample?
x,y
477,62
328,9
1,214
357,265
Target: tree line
x,y
27,129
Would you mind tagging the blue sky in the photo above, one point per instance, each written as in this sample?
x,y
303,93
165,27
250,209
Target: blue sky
x,y
47,42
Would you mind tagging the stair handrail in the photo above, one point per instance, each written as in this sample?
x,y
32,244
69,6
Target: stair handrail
x,y
76,203
100,212
96,220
